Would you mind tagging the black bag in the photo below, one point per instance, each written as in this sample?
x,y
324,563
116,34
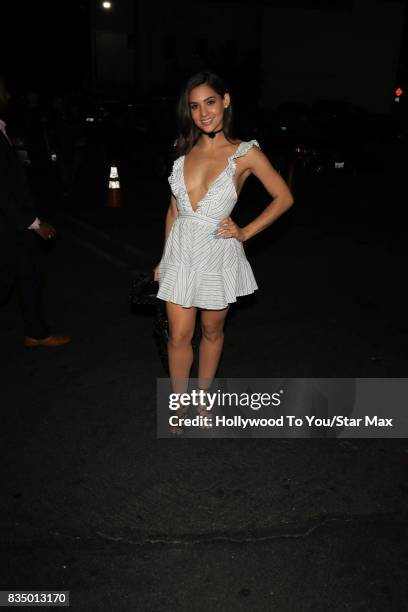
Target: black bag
x,y
143,292
161,333
143,289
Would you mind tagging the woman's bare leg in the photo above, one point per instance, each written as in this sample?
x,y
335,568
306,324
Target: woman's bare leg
x,y
212,340
181,330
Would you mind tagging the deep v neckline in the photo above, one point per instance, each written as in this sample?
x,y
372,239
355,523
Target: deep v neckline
x,y
183,157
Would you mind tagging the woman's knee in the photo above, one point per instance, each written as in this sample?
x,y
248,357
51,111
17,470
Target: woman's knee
x,y
212,332
180,338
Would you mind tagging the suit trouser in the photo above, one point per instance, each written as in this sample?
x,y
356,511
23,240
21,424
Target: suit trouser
x,y
20,269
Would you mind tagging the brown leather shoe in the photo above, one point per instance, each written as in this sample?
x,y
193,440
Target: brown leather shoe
x,y
49,341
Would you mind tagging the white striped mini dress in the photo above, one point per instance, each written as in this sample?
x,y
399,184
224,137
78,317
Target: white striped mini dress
x,y
197,269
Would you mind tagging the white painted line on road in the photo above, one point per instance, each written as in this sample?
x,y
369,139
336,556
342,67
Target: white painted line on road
x,y
91,247
86,226
104,235
131,249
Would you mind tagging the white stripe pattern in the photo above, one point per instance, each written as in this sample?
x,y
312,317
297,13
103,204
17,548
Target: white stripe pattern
x,y
197,269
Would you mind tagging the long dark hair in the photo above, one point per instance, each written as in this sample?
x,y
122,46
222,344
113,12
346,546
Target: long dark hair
x,y
188,132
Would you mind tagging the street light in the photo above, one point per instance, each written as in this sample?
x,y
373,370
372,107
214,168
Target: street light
x,y
107,6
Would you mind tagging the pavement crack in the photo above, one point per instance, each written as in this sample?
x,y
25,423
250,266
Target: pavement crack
x,y
293,531
279,532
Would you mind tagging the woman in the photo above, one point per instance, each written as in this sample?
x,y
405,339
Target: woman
x,y
203,264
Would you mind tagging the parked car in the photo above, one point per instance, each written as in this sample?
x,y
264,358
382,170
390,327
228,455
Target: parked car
x,y
320,151
371,141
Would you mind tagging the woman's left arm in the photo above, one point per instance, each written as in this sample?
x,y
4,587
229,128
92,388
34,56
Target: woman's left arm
x,y
275,185
261,167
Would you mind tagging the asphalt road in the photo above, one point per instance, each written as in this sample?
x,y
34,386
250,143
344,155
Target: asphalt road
x,y
93,502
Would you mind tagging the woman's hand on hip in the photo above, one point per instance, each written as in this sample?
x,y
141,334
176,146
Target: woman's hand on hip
x,y
227,228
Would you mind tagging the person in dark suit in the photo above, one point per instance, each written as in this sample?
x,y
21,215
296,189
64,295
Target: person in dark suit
x,y
19,224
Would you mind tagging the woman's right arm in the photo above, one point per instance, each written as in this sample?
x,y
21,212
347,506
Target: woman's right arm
x,y
171,216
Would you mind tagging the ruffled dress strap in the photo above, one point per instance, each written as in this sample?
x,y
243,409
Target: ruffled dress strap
x,y
175,176
242,150
244,147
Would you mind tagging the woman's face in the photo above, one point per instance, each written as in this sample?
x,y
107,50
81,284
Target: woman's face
x,y
207,107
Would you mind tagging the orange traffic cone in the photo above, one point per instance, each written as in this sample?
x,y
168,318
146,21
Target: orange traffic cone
x,y
115,198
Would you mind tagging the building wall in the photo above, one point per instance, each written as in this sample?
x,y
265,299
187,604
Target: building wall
x,y
306,54
376,47
112,34
349,55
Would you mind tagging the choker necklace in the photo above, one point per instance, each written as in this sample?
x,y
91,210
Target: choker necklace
x,y
211,134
